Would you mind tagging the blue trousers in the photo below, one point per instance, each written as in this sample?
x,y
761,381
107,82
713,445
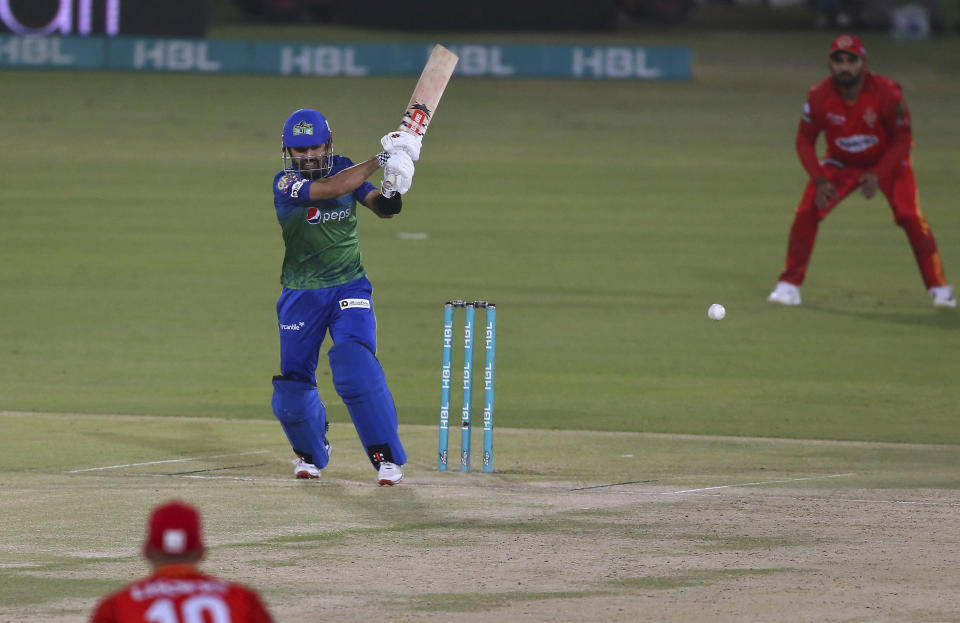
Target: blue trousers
x,y
305,316
346,311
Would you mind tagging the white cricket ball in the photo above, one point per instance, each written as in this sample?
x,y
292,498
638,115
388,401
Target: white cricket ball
x,y
716,312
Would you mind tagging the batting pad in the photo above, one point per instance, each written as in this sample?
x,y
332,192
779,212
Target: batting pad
x,y
359,379
298,407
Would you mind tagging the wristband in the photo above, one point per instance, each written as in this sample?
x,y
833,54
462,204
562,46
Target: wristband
x,y
390,205
382,158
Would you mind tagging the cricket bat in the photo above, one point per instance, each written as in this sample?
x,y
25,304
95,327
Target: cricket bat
x,y
426,96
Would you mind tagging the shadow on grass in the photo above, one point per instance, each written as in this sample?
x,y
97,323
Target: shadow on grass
x,y
946,319
474,602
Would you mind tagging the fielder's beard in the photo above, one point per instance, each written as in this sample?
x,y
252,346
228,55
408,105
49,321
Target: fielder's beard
x,y
847,79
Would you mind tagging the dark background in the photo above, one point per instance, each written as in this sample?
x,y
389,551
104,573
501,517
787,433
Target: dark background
x,y
182,18
196,18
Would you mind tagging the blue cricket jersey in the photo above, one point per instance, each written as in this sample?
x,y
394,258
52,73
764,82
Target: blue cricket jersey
x,y
320,237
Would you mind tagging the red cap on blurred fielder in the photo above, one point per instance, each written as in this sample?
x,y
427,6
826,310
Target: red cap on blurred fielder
x,y
174,530
849,43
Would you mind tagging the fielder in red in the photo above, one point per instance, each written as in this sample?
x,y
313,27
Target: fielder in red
x,y
867,127
176,592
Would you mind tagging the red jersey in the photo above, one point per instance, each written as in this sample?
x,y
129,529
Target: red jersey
x,y
871,133
180,594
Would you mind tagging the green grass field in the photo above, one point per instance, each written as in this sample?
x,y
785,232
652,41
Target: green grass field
x,y
140,256
141,253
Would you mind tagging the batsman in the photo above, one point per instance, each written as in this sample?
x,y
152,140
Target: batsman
x,y
326,289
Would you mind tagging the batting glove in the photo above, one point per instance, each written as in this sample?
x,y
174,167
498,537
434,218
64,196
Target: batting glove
x,y
397,174
402,141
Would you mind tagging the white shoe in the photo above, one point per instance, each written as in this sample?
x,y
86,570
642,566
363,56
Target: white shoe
x,y
785,294
389,474
302,469
943,296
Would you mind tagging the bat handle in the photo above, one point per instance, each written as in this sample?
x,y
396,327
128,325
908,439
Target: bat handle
x,y
388,186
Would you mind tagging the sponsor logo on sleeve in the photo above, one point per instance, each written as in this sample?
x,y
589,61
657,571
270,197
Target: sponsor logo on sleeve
x,y
806,112
284,182
857,143
354,303
295,189
903,119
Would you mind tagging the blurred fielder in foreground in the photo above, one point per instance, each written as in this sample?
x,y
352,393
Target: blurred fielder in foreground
x,y
325,288
867,127
176,592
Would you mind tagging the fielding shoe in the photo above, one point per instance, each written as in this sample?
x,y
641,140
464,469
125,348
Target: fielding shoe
x,y
943,296
302,469
389,474
785,294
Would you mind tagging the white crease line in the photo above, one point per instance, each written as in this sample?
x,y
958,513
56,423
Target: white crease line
x,y
296,482
845,500
340,481
241,478
197,458
920,503
753,484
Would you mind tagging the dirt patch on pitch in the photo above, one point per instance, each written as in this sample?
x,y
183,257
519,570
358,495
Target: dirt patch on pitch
x,y
550,554
543,540
473,548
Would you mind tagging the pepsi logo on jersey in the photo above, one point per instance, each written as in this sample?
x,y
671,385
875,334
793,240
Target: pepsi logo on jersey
x,y
316,216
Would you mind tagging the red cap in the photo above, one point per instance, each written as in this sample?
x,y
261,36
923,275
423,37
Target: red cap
x,y
849,43
174,530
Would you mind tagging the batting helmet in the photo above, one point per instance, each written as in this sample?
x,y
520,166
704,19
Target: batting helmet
x,y
306,128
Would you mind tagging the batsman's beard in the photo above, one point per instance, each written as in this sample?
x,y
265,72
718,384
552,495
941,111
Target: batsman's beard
x,y
311,167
